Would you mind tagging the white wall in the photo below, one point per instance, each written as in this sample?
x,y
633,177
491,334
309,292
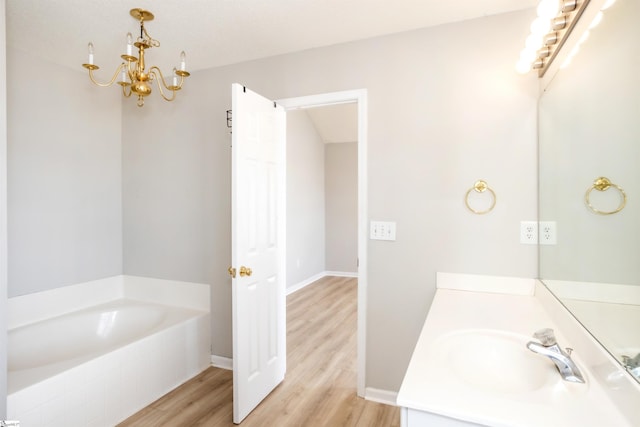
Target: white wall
x,y
3,216
445,109
341,190
64,177
305,199
165,192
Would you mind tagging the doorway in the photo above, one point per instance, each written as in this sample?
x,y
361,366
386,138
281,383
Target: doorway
x,y
360,98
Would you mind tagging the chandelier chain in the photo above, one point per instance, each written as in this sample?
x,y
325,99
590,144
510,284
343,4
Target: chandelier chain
x,y
148,40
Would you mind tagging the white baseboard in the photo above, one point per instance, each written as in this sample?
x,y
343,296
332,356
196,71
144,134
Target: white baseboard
x,y
316,277
305,282
381,396
222,362
341,273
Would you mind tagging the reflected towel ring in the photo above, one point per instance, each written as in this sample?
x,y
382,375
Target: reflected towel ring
x,y
603,184
480,186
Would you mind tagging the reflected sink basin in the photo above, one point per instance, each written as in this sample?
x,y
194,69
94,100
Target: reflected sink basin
x,y
494,360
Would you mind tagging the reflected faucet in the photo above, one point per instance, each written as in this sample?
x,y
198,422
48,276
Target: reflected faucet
x,y
632,364
548,346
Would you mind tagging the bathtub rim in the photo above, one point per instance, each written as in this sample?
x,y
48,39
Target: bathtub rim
x,y
30,308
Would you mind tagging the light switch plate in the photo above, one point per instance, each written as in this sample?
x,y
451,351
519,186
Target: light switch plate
x,y
382,230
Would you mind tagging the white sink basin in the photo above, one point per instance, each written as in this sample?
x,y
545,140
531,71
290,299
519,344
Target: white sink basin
x,y
494,361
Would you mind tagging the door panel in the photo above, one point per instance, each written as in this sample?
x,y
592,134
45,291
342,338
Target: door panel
x,y
258,218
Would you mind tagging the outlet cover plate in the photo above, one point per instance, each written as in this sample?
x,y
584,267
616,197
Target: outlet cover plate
x,y
529,232
547,233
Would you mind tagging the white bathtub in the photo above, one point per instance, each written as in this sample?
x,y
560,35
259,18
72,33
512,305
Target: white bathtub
x,y
97,365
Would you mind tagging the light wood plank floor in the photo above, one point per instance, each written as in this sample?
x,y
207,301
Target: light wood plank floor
x,y
320,385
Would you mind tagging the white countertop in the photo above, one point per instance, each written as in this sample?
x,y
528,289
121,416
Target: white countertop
x,y
430,385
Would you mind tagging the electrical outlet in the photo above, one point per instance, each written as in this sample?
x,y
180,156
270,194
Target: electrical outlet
x,y
548,233
529,232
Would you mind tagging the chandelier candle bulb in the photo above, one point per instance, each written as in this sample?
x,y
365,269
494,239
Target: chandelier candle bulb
x,y
90,53
175,78
183,61
129,44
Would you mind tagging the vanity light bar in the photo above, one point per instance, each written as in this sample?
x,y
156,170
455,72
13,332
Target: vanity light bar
x,y
549,31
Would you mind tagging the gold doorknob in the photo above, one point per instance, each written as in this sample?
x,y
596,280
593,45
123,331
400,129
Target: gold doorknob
x,y
245,271
232,272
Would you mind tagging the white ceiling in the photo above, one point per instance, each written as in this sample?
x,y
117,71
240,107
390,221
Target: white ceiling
x,y
221,32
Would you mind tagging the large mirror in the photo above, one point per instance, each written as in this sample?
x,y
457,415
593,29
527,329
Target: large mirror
x,y
589,127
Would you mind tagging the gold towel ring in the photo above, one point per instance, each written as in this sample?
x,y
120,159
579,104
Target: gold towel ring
x,y
603,184
480,186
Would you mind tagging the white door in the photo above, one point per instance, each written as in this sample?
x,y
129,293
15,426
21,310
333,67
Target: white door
x,y
258,218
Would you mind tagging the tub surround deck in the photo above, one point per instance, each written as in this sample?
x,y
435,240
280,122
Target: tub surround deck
x,y
515,308
167,344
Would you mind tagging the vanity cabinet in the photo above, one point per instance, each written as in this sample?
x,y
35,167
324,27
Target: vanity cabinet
x,y
416,418
471,365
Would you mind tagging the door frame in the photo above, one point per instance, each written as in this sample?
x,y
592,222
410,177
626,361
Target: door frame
x,y
343,97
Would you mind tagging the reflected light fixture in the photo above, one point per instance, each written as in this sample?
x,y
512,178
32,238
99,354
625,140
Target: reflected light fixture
x,y
594,23
555,20
132,75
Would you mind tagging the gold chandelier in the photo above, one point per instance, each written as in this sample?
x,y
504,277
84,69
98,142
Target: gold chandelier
x,y
133,77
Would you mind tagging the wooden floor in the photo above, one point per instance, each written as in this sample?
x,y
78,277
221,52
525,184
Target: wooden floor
x,y
320,385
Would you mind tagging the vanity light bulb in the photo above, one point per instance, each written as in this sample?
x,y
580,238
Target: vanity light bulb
x,y
548,9
528,55
523,67
534,42
573,52
566,63
584,37
596,21
540,26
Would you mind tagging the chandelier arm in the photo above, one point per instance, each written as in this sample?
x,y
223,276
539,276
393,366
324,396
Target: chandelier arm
x,y
130,71
161,82
164,82
113,79
126,93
